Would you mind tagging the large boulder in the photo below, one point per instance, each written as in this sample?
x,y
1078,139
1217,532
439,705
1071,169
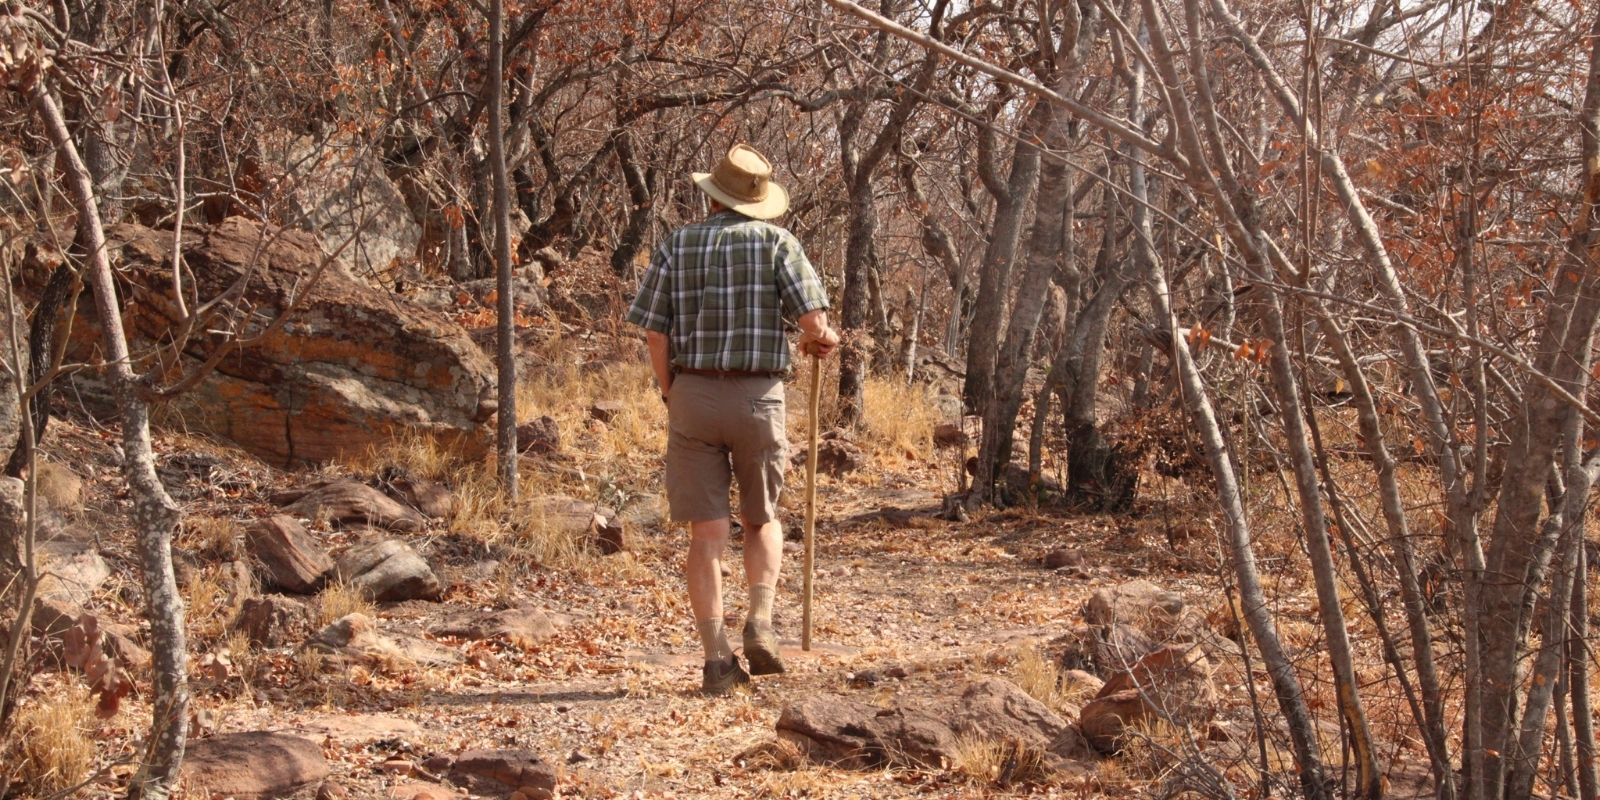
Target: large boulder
x,y
353,366
258,765
1140,603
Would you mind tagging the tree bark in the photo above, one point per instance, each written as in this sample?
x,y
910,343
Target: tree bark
x,y
155,515
505,305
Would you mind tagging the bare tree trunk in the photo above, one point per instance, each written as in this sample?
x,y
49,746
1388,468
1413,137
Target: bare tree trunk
x,y
1314,524
155,516
994,276
505,305
1253,601
1578,655
1432,723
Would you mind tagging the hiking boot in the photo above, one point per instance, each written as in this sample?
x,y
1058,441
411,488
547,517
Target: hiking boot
x,y
761,648
719,677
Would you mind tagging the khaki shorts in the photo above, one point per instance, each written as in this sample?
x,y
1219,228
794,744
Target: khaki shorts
x,y
720,429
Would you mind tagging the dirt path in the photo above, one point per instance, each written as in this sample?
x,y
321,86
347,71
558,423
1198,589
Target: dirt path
x,y
905,604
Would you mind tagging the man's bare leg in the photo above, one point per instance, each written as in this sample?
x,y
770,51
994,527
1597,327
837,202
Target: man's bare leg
x,y
707,540
763,557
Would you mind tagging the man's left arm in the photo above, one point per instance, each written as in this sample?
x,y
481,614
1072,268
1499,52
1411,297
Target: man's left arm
x,y
652,310
660,360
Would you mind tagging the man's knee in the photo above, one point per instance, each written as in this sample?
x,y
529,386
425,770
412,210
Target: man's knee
x,y
709,532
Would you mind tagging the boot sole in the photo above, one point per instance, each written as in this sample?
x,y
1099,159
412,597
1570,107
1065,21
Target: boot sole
x,y
763,662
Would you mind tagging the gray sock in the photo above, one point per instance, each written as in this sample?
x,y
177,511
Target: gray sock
x,y
761,598
713,639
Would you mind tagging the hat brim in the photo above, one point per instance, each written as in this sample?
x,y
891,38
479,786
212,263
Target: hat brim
x,y
776,203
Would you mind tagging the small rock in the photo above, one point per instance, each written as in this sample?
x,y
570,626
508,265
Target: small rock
x,y
389,571
332,790
429,497
837,454
398,766
71,571
350,504
1139,603
540,437
59,487
507,771
422,791
253,766
949,434
288,556
274,620
523,627
1063,557
606,410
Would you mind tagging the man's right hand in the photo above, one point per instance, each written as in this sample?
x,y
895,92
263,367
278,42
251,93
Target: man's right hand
x,y
820,345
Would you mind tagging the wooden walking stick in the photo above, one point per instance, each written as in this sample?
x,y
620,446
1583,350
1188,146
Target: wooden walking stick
x,y
811,504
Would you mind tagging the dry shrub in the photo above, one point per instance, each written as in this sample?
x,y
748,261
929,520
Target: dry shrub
x,y
339,600
53,746
899,417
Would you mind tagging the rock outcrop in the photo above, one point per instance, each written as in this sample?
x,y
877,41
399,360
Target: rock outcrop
x,y
287,556
927,731
352,365
253,766
388,571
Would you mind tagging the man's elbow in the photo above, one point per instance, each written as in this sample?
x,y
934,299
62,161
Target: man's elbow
x,y
655,337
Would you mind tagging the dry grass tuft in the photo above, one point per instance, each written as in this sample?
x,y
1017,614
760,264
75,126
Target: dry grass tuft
x,y
1001,763
1041,677
216,538
899,417
430,457
54,747
340,600
212,604
777,755
1149,747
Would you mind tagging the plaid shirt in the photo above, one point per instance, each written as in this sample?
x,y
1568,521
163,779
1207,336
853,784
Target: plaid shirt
x,y
720,289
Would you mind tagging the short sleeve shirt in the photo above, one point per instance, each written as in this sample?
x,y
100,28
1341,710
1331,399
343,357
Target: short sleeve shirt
x,y
721,289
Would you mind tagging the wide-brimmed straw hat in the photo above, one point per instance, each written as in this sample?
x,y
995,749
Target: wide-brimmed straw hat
x,y
742,181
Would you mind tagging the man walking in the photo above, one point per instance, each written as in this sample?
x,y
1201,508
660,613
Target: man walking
x,y
713,304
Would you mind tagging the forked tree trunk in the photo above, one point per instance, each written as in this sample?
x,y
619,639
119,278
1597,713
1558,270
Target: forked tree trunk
x,y
155,516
